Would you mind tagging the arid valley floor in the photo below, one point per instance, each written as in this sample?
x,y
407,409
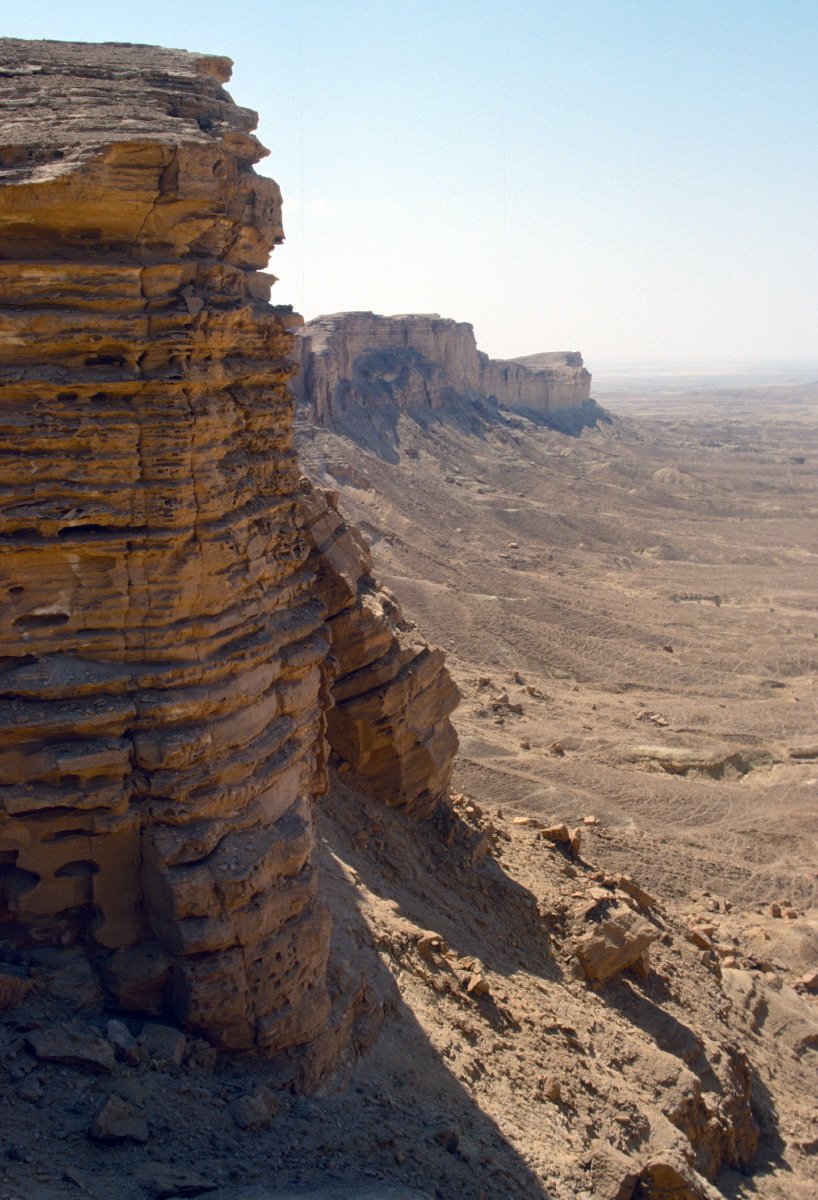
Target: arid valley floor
x,y
631,616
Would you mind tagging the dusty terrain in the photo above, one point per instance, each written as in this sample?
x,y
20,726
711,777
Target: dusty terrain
x,y
655,581
631,618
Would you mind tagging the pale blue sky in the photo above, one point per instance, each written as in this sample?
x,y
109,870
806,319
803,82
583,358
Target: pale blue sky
x,y
637,179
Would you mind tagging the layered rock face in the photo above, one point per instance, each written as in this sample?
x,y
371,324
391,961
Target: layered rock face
x,y
353,361
392,692
162,646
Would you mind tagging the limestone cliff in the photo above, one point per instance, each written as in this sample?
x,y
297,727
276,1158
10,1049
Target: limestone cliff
x,y
353,362
164,666
392,692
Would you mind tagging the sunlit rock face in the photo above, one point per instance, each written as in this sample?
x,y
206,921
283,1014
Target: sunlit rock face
x,y
392,693
162,648
358,362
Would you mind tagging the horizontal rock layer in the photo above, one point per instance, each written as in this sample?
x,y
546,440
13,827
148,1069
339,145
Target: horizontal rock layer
x,y
359,360
162,646
392,692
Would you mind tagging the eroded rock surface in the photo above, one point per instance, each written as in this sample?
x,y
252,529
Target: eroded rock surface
x,y
392,692
359,362
162,678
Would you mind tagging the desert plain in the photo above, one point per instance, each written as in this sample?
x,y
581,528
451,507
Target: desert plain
x,y
630,614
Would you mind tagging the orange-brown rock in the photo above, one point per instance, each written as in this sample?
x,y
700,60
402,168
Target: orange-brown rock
x,y
615,938
162,649
392,692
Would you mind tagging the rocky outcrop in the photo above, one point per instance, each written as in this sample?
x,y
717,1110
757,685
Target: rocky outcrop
x,y
177,600
392,693
360,361
162,647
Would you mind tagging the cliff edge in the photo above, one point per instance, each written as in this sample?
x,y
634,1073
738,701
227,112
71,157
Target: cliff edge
x,y
358,367
165,664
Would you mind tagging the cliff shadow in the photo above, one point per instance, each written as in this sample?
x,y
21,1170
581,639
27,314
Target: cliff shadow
x,y
428,874
376,420
640,1003
396,1103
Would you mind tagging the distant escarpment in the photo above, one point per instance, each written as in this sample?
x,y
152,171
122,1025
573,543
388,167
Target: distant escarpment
x,y
165,654
358,367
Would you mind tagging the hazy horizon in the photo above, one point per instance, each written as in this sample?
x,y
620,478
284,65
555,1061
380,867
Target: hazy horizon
x,y
636,180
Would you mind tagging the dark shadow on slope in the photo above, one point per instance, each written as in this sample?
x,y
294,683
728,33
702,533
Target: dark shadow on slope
x,y
426,869
395,1114
640,1005
369,414
570,421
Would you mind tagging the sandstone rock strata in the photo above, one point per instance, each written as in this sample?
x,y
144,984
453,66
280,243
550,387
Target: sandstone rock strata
x,y
162,679
392,693
354,361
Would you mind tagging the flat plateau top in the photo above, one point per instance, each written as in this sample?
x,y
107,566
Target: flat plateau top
x,y
19,57
81,94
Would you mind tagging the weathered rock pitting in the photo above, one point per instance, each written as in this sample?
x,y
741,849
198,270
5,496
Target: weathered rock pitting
x,y
359,361
392,692
162,679
175,597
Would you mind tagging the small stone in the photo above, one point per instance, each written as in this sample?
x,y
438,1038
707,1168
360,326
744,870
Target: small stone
x,y
476,985
118,1121
575,843
429,944
699,936
551,1089
164,1043
525,744
527,822
590,820
125,1045
254,1110
775,910
613,944
631,888
30,1090
809,981
790,914
63,1044
555,833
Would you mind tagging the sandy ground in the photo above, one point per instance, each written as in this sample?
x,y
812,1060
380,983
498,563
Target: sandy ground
x,y
631,616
